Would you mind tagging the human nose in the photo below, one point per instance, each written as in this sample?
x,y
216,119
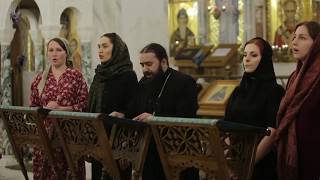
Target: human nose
x,y
294,41
99,50
246,59
144,68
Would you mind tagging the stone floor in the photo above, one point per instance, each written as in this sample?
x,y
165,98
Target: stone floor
x,y
9,174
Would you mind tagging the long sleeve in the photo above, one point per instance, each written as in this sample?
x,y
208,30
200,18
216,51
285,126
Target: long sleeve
x,y
272,106
187,103
34,99
82,95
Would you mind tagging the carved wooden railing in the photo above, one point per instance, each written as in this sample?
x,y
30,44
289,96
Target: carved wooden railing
x,y
130,140
24,126
85,135
221,149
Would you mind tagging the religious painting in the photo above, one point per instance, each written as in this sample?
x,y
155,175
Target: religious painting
x,y
226,20
215,98
219,92
68,30
183,24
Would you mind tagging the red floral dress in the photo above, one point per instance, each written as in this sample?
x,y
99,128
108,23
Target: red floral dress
x,y
69,90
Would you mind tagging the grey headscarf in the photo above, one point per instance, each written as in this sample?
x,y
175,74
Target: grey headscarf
x,y
65,46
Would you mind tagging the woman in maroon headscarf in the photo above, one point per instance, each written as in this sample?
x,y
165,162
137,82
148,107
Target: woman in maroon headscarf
x,y
299,114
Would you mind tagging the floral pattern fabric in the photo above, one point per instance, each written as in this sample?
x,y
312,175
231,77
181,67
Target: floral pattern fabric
x,y
69,90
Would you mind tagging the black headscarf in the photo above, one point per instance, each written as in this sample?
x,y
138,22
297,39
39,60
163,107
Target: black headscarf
x,y
118,64
264,71
248,100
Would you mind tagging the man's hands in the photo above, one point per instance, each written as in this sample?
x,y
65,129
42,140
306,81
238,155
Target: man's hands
x,y
117,114
144,117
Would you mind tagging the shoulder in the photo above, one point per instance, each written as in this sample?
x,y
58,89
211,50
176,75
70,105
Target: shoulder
x,y
74,71
181,80
129,74
180,75
74,74
37,78
275,90
125,77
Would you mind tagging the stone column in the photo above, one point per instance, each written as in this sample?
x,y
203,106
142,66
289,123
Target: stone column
x,y
85,34
39,58
38,51
203,22
6,75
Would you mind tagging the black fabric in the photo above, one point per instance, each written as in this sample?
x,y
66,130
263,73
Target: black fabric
x,y
179,99
255,102
118,64
108,96
112,89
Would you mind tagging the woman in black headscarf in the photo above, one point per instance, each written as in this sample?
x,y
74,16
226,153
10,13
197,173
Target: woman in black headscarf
x,y
113,86
256,101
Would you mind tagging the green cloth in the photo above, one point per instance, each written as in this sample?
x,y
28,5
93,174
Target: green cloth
x,y
118,64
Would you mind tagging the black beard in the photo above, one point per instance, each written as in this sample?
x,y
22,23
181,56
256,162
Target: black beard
x,y
156,76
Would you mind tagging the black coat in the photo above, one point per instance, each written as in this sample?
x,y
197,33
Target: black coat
x,y
110,95
113,94
255,102
178,99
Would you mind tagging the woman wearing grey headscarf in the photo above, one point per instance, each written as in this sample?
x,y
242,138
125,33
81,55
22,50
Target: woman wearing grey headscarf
x,y
59,87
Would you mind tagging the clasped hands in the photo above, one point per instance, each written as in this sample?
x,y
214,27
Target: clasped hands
x,y
144,117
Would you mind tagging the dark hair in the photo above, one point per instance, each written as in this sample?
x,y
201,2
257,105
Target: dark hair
x,y
289,1
182,12
61,44
312,26
258,42
157,49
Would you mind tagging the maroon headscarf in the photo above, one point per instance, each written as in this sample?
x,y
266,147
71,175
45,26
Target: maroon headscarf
x,y
300,86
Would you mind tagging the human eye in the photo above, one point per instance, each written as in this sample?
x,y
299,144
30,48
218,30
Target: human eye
x,y
243,54
254,55
148,63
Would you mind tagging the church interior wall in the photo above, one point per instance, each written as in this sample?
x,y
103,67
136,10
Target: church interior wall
x,y
137,23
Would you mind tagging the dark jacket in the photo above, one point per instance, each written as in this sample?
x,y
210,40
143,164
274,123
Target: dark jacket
x,y
115,93
178,99
255,102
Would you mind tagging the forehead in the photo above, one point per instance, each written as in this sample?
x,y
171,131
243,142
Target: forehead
x,y
148,57
54,44
302,30
104,40
290,5
251,48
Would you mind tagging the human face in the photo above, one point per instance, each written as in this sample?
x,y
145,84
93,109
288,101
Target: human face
x,y
150,64
105,49
251,58
56,54
182,20
290,10
301,43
